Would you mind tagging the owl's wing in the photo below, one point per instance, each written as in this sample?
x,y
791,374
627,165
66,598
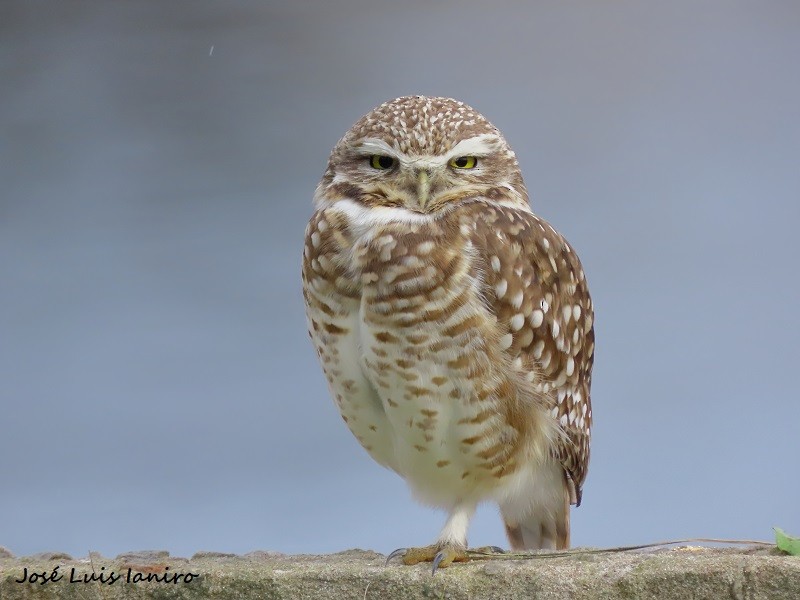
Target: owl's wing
x,y
535,285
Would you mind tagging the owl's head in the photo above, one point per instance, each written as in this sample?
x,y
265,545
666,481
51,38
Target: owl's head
x,y
422,154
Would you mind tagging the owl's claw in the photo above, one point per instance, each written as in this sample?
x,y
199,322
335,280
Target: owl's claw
x,y
395,554
436,561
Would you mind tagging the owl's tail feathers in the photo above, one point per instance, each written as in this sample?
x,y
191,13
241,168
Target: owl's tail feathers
x,y
544,526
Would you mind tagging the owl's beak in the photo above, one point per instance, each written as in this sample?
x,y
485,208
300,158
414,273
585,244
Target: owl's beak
x,y
423,188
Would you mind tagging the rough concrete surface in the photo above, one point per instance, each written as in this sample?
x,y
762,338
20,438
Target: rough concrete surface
x,y
680,573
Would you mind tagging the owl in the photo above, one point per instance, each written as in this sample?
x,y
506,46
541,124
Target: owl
x,y
453,325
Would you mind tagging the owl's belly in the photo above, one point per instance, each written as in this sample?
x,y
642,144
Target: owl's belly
x,y
406,407
444,436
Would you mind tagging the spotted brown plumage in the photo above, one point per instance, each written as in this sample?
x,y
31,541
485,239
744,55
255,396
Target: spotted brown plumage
x,y
453,325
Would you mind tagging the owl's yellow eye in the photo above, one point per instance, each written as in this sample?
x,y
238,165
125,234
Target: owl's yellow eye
x,y
381,161
464,162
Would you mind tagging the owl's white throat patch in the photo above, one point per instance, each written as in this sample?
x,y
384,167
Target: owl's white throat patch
x,y
364,218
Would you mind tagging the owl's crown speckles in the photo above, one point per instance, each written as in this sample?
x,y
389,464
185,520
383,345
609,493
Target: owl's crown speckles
x,y
422,125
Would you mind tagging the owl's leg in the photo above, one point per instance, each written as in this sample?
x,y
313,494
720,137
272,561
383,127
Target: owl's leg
x,y
449,548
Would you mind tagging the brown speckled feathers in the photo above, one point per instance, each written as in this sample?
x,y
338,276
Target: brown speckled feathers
x,y
454,326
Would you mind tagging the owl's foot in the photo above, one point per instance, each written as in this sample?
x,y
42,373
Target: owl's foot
x,y
441,556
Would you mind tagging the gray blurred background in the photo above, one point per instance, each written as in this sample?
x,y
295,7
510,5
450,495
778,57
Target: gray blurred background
x,y
157,163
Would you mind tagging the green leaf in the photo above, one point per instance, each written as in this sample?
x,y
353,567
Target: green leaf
x,y
787,543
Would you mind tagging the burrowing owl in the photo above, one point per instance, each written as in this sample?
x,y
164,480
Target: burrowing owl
x,y
454,326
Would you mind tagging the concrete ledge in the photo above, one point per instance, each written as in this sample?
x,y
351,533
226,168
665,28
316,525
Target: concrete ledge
x,y
732,574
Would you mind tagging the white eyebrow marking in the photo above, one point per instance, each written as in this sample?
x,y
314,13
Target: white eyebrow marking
x,y
371,146
480,145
